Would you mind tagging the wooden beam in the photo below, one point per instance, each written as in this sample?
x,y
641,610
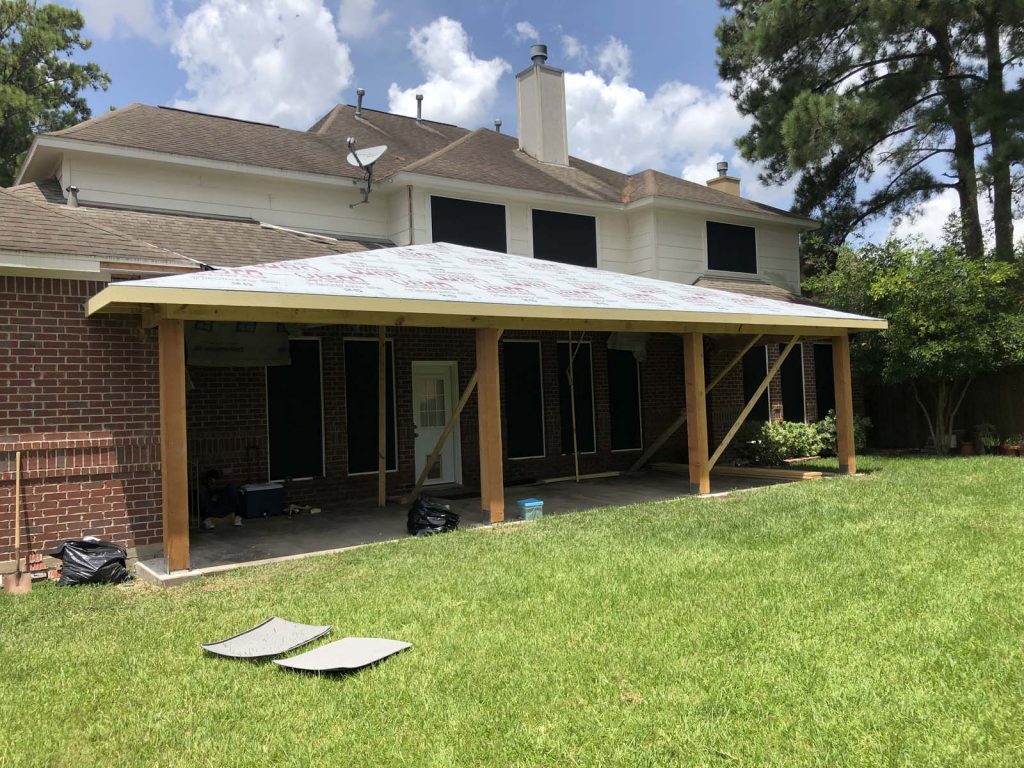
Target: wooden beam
x,y
675,425
382,417
173,451
696,413
315,316
488,398
753,400
845,449
761,473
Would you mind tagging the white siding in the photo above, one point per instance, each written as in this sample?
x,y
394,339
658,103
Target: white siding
x,y
142,183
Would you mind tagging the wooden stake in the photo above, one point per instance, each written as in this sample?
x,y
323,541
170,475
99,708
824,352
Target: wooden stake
x,y
488,397
696,413
675,425
845,448
752,402
382,417
173,450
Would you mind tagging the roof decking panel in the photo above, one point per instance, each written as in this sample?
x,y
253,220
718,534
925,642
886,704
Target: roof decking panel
x,y
445,279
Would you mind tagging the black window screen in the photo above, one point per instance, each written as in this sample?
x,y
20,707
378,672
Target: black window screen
x,y
583,393
361,405
524,399
294,414
731,247
824,383
465,222
624,400
792,377
755,368
565,237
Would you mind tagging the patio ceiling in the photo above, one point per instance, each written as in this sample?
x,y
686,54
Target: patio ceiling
x,y
444,285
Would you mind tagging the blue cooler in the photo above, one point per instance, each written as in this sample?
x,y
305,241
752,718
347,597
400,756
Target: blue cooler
x,y
262,499
530,509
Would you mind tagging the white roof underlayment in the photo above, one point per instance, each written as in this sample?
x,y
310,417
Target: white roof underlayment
x,y
447,278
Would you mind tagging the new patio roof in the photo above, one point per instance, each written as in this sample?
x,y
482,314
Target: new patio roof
x,y
444,285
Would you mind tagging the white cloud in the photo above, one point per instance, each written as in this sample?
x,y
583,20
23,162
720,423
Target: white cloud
x,y
613,58
524,30
573,48
680,128
277,61
129,18
928,221
616,124
358,19
460,88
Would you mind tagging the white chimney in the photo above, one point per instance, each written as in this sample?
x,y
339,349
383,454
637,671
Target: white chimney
x,y
540,99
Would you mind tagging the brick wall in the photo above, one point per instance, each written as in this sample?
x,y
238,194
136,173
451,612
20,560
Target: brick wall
x,y
227,412
80,401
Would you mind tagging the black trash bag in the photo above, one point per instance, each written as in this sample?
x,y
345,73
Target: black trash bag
x,y
429,516
91,561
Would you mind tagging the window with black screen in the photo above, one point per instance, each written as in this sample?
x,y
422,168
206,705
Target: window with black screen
x,y
731,248
565,237
467,222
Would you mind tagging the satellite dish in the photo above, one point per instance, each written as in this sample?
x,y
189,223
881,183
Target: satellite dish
x,y
364,158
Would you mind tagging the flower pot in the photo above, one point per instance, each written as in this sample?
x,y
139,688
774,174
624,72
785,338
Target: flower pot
x,y
967,448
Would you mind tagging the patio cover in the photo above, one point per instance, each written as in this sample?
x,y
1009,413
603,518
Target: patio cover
x,y
444,285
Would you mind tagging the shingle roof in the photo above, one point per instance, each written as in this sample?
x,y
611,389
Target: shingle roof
x,y
216,241
32,227
426,147
753,288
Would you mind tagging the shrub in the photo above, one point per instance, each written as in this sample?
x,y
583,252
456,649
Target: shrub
x,y
775,441
827,430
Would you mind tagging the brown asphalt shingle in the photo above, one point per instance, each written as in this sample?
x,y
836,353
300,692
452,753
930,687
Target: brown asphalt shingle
x,y
41,228
427,147
753,288
216,241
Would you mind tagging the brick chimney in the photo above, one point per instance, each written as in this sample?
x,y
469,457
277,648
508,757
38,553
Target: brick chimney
x,y
723,182
540,99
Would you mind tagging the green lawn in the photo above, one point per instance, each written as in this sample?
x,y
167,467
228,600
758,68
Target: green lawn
x,y
876,620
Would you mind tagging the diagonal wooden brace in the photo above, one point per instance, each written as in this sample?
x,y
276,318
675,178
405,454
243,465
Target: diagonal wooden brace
x,y
676,425
753,401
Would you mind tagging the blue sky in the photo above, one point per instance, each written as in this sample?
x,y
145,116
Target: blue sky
x,y
641,79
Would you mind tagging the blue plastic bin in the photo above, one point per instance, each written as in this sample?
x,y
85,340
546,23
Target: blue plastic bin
x,y
530,509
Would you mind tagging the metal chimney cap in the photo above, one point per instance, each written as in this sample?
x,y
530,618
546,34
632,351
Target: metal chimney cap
x,y
723,168
419,97
539,53
360,91
497,124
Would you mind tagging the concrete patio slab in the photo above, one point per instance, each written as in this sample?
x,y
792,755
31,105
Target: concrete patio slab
x,y
343,526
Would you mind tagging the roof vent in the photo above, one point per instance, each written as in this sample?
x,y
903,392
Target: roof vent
x,y
72,196
360,92
497,125
723,168
539,53
419,107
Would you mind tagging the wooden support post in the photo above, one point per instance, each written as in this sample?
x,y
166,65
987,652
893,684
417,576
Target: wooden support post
x,y
173,448
488,397
696,413
675,425
752,402
382,417
844,405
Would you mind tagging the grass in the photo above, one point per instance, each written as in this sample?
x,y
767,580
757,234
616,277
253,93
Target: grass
x,y
864,621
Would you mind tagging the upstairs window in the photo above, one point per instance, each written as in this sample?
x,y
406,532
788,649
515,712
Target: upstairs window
x,y
565,238
731,248
467,222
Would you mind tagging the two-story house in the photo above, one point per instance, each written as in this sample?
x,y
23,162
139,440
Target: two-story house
x,y
145,191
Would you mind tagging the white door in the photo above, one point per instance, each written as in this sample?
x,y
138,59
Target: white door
x,y
433,390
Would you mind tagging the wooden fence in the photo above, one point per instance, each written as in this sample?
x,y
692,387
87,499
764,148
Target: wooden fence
x,y
898,422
